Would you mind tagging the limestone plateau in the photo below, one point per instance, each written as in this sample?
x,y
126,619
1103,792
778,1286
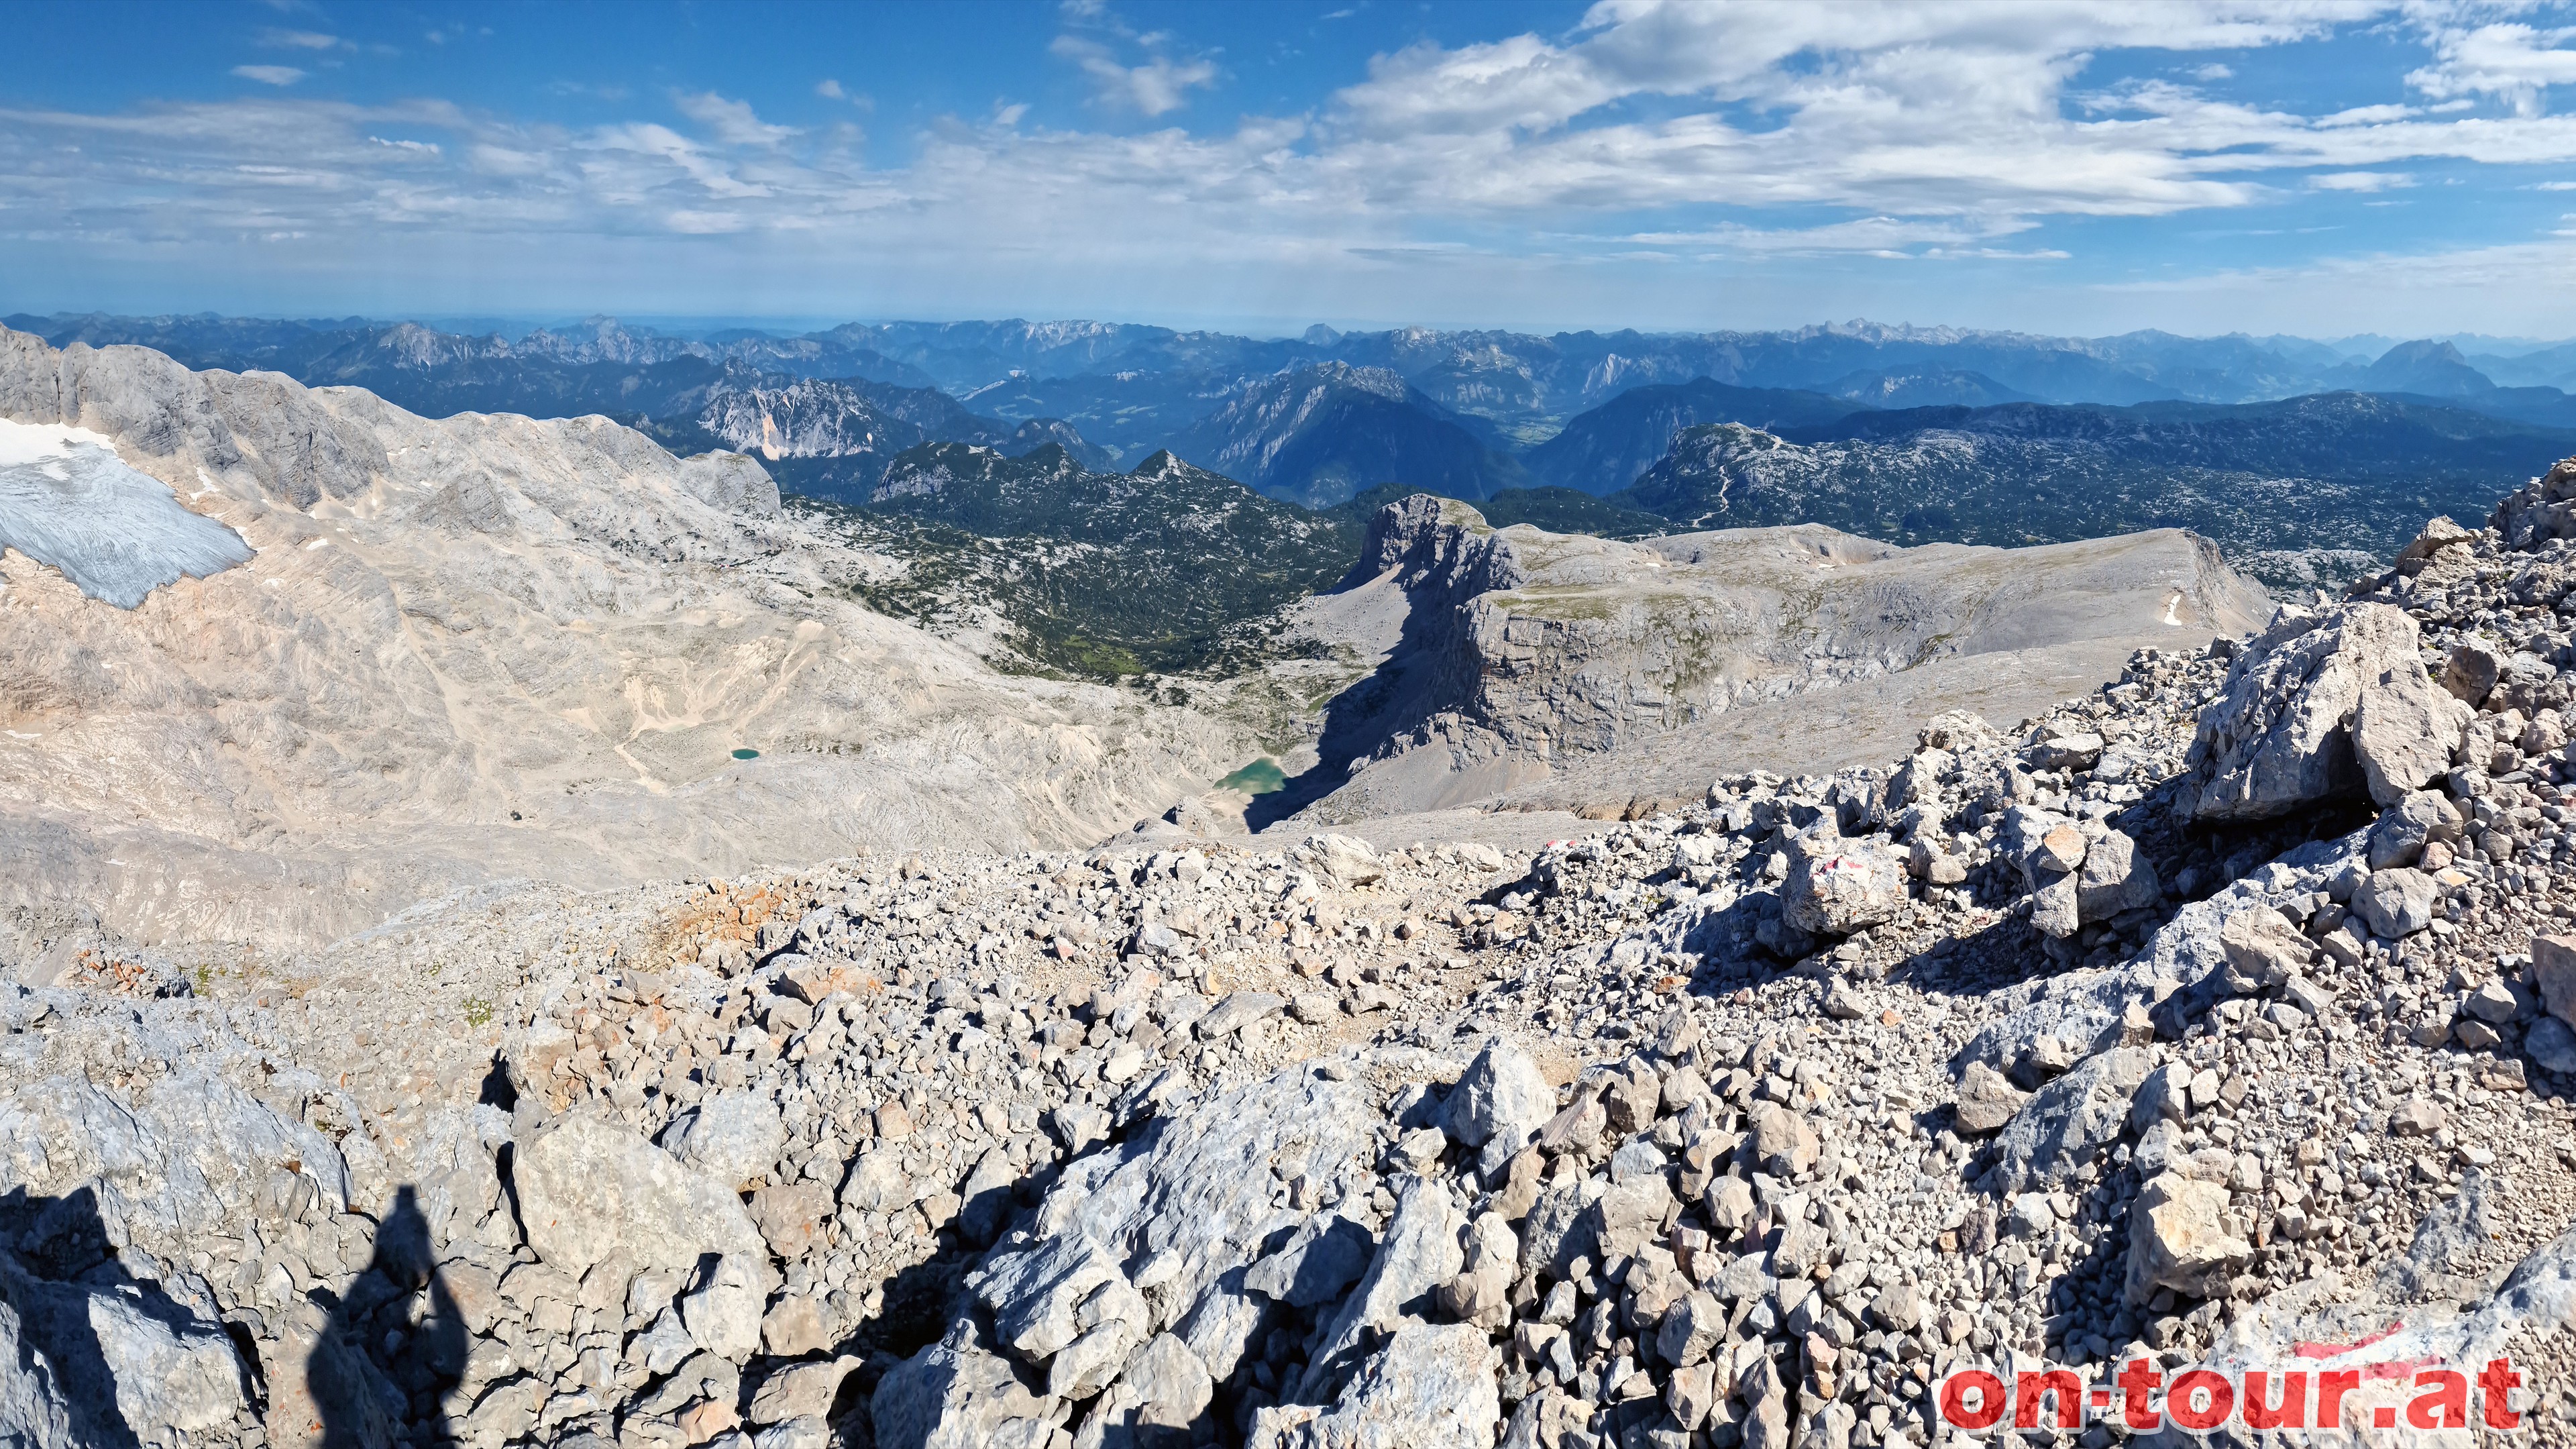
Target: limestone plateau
x,y
2220,1007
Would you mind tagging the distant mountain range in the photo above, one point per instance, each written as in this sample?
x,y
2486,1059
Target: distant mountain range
x,y
1317,435
1132,390
2274,483
2273,445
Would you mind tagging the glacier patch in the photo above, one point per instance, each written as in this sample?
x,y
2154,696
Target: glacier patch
x,y
67,500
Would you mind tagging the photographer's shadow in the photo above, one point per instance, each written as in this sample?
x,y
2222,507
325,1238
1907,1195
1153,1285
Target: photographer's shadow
x,y
394,1347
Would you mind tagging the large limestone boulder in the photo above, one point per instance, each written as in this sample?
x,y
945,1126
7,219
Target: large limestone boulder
x,y
2404,830
1421,1251
1344,859
1781,1141
2115,877
2541,511
2262,949
2404,726
2396,902
2470,672
2178,1239
109,1366
1987,1100
2067,1121
1152,1237
1499,1103
2322,705
592,1190
732,1137
1838,886
955,1394
1431,1387
2553,962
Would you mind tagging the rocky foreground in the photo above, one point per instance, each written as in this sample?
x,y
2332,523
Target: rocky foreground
x,y
2224,1010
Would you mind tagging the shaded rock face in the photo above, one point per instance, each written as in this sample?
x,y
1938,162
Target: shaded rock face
x,y
88,1356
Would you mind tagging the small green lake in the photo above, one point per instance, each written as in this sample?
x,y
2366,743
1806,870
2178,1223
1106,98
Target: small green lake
x,y
1258,778
746,754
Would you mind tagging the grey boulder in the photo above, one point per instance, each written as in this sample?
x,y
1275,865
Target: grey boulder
x,y
1431,1387
2404,829
116,1362
591,1190
2068,1120
2115,878
2318,706
955,1394
733,1137
1837,886
1499,1103
2397,902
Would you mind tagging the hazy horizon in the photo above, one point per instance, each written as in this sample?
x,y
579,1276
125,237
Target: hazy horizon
x,y
518,326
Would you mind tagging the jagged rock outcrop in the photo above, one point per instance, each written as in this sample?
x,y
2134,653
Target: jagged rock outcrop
x,y
1440,551
1544,666
2539,514
2325,705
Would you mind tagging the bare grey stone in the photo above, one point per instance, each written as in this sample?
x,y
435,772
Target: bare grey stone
x,y
1837,886
1499,1103
2396,902
2068,1120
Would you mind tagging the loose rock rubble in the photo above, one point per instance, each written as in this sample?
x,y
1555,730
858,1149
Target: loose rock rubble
x,y
2232,1005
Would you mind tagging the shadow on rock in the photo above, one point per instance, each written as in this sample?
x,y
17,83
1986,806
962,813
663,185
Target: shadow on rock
x,y
1432,669
108,1358
392,1348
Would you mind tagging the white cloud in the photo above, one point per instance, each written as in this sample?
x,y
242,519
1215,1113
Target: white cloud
x,y
300,40
708,223
732,121
1159,86
2360,181
1729,137
2510,61
1875,236
269,75
830,89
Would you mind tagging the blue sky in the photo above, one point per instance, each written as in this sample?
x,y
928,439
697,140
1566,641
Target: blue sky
x,y
2324,167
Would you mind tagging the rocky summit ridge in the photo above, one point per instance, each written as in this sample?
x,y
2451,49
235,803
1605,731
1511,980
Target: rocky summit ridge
x,y
2219,1014
1535,670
